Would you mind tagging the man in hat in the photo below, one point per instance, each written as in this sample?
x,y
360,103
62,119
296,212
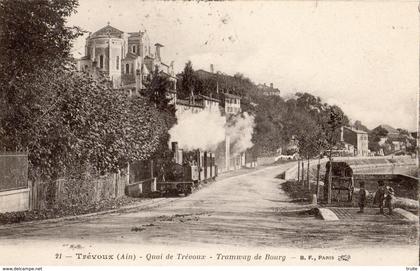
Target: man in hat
x,y
380,196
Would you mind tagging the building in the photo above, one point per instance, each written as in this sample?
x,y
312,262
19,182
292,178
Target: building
x,y
232,104
268,90
197,104
392,132
209,103
125,59
357,138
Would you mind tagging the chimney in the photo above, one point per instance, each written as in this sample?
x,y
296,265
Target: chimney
x,y
211,68
174,146
171,66
175,151
157,51
342,134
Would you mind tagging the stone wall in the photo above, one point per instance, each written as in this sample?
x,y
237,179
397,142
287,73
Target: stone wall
x,y
14,200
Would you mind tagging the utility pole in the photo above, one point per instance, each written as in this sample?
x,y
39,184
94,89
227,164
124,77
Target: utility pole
x,y
298,173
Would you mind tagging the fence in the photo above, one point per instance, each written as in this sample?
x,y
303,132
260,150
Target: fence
x,y
68,191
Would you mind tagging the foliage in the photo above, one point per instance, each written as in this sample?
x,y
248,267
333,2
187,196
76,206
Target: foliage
x,y
157,90
188,83
65,118
269,132
375,137
359,126
34,35
80,119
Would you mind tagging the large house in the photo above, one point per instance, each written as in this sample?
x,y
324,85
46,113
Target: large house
x,y
125,59
268,90
355,140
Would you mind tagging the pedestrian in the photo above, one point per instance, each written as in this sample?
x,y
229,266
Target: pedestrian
x,y
389,198
362,197
380,196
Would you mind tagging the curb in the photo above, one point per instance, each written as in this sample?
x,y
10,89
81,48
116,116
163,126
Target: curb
x,y
140,205
327,214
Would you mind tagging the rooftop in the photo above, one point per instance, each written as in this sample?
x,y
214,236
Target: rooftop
x,y
231,96
108,31
355,130
208,98
188,103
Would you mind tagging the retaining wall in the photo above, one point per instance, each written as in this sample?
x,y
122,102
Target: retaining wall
x,y
14,200
356,163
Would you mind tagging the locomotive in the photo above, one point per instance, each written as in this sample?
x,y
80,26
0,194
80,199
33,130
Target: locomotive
x,y
180,174
187,170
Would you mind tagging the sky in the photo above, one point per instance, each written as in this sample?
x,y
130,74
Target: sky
x,y
361,56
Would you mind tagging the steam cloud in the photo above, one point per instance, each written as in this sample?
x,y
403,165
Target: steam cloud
x,y
206,130
240,130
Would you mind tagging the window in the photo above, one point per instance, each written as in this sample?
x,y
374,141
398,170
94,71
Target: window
x,y
118,62
101,62
134,48
127,68
86,67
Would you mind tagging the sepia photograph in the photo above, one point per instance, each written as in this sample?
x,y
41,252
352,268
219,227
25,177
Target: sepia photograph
x,y
195,133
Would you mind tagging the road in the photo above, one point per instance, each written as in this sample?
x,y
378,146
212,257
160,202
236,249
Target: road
x,y
249,210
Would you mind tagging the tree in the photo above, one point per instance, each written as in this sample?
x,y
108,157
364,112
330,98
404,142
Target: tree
x,y
61,116
157,90
309,137
333,120
188,81
359,126
34,35
34,41
375,137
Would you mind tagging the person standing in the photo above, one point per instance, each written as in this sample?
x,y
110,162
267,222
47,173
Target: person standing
x,y
362,197
380,196
389,199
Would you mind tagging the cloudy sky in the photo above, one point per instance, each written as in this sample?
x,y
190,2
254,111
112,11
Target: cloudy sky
x,y
362,56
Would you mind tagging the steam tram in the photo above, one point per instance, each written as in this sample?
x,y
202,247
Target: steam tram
x,y
179,176
188,170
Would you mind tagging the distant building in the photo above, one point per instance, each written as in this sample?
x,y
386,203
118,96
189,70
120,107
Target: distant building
x,y
197,104
268,90
232,103
125,59
395,140
209,103
357,138
392,132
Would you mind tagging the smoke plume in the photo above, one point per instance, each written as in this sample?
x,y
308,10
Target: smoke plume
x,y
240,129
206,130
203,130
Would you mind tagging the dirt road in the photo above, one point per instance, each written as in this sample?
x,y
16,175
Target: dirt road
x,y
249,210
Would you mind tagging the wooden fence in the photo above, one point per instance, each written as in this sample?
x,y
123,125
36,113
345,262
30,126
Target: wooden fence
x,y
44,194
